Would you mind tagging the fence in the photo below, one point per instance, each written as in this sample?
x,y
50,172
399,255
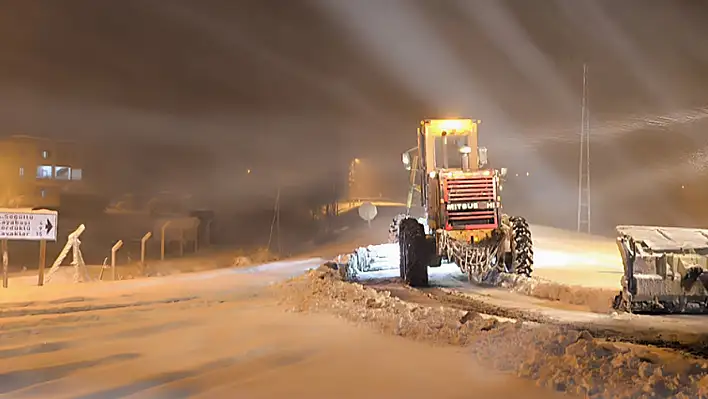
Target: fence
x,y
175,236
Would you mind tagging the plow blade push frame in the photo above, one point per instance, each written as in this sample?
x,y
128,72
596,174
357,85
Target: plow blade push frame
x,y
665,269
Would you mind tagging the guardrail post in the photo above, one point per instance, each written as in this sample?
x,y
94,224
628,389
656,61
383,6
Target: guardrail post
x,y
115,249
143,242
162,240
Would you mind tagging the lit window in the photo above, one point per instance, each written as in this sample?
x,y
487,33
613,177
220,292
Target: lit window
x,y
45,154
44,172
76,174
22,171
62,173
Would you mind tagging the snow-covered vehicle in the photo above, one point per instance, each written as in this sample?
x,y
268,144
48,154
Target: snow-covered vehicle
x,y
461,198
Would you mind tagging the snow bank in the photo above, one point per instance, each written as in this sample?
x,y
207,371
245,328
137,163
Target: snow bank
x,y
595,299
561,359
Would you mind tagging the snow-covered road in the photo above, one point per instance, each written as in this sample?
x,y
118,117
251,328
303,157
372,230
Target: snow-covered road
x,y
576,259
560,256
581,274
216,334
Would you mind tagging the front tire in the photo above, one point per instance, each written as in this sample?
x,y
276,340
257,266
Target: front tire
x,y
521,247
414,257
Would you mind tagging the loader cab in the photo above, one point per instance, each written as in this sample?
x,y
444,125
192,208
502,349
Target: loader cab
x,y
452,152
456,191
448,144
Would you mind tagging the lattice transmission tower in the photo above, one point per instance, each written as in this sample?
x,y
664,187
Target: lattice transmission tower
x,y
584,208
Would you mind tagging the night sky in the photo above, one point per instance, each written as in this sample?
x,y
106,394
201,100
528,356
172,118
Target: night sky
x,y
293,85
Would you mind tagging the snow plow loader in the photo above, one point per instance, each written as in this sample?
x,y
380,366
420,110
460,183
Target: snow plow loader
x,y
665,270
461,198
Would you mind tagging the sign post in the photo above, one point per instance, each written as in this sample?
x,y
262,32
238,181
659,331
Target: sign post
x,y
5,261
23,224
42,261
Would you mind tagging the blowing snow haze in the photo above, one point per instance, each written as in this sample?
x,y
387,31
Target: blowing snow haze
x,y
194,93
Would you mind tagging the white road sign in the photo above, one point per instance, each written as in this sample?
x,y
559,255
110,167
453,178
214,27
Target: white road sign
x,y
28,224
368,211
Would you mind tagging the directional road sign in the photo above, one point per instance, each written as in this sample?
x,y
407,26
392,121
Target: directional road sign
x,y
28,224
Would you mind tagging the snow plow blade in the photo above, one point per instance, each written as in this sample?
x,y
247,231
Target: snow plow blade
x,y
665,270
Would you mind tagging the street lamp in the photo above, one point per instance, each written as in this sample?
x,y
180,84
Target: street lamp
x,y
352,176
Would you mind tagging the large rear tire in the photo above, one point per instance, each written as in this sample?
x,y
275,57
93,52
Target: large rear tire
x,y
414,253
521,247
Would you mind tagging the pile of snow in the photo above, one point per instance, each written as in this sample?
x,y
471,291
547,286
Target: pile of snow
x,y
596,299
323,290
260,255
573,361
559,358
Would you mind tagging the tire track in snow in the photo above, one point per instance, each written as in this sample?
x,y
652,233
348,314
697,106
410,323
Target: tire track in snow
x,y
20,379
60,301
129,333
56,346
39,388
37,326
89,308
141,331
243,373
178,382
53,326
188,383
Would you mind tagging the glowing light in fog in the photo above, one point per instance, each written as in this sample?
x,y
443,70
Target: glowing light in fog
x,y
397,34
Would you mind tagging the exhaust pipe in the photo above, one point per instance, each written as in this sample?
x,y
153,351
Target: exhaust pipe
x,y
465,153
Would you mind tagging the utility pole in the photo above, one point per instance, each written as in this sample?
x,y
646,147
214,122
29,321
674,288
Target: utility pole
x,y
275,224
584,161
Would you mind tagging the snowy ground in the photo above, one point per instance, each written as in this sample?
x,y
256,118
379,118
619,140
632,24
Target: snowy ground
x,y
559,255
576,259
560,358
575,280
246,332
570,268
217,334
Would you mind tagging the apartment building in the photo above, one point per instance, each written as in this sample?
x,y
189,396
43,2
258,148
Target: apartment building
x,y
36,172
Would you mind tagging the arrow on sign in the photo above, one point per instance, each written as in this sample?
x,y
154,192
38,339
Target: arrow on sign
x,y
48,227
